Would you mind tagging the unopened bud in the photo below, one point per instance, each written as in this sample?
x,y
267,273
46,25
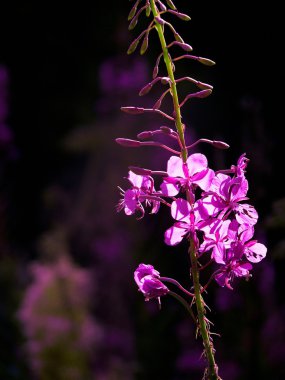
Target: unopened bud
x,y
133,46
155,72
144,44
162,6
145,135
170,4
184,46
204,86
206,61
166,130
220,144
182,16
128,142
140,171
178,38
148,10
157,104
133,23
133,110
145,89
132,12
203,93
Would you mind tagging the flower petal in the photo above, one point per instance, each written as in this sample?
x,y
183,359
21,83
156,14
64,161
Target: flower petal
x,y
180,209
175,167
174,235
256,252
196,163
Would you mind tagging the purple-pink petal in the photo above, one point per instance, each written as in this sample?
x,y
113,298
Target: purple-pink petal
x,y
174,235
144,270
246,232
170,188
130,201
175,167
135,179
204,179
152,287
246,214
196,163
256,252
180,209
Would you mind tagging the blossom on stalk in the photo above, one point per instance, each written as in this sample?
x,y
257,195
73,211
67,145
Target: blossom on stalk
x,y
234,268
236,254
142,190
187,221
253,250
225,195
217,239
147,279
182,175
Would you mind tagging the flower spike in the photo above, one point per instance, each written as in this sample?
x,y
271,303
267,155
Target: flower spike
x,y
208,208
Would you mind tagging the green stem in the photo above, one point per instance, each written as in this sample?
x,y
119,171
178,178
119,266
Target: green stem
x,y
168,63
212,370
212,373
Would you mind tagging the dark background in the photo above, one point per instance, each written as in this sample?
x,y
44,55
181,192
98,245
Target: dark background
x,y
54,54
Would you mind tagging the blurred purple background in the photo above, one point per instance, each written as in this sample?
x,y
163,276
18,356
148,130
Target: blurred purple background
x,y
69,307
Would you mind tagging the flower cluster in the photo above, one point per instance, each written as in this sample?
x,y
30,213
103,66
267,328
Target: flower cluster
x,y
217,210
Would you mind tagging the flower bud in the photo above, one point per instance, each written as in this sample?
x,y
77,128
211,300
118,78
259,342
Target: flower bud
x,y
166,130
145,135
128,142
157,104
146,89
220,144
203,86
148,10
182,16
155,72
133,11
133,23
133,110
144,45
161,6
206,61
184,46
178,37
133,46
170,4
203,93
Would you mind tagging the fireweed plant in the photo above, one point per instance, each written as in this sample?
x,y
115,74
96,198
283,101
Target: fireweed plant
x,y
208,208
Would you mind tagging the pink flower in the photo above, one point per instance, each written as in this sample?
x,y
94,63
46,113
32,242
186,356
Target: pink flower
x,y
187,220
224,196
253,250
241,248
217,238
233,269
241,166
194,172
147,279
142,191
